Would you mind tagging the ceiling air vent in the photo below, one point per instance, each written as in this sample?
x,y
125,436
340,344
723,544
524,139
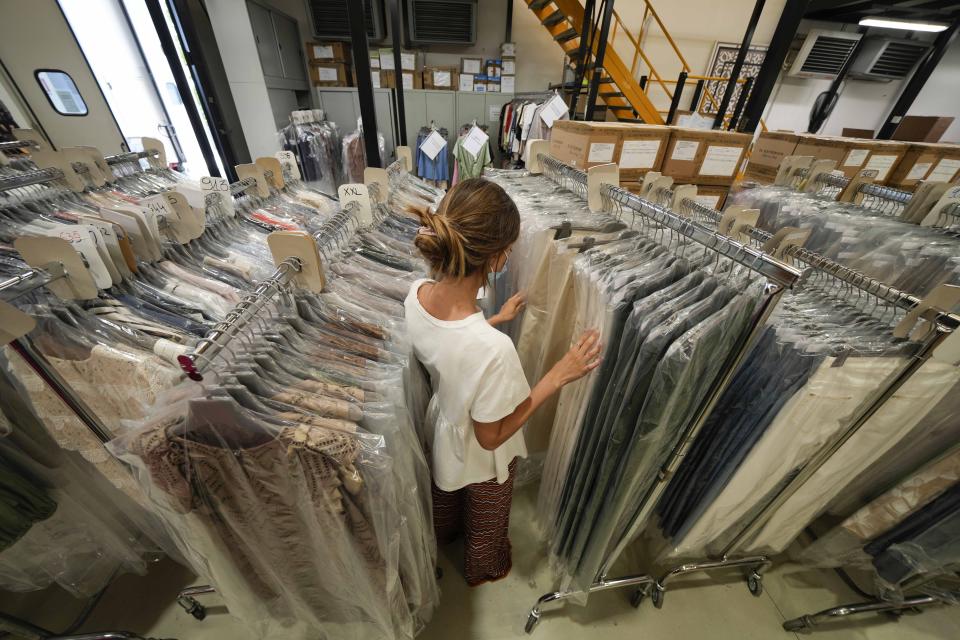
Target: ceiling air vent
x,y
447,22
823,53
887,59
330,21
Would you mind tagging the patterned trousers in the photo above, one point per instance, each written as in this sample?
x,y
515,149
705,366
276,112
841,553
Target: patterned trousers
x,y
480,511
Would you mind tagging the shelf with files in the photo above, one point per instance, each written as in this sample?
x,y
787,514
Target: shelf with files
x,y
943,323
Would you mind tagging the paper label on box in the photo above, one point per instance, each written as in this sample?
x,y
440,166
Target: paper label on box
x,y
856,158
386,60
944,171
508,84
708,201
465,82
375,79
408,61
509,67
639,154
407,81
919,170
375,61
493,87
554,109
321,51
326,74
720,160
685,150
493,112
471,66
441,79
881,164
480,87
601,152
433,145
475,140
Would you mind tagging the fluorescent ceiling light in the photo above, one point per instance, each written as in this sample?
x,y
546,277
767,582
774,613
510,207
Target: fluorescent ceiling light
x,y
885,23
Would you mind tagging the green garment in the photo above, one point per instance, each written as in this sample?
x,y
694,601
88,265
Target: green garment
x,y
468,165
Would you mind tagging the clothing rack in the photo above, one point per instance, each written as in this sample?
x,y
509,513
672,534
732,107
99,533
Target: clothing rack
x,y
780,277
876,196
810,259
943,324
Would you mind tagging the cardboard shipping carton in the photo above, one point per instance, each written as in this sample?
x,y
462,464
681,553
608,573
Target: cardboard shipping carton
x,y
328,51
640,147
705,157
411,80
582,144
330,74
442,78
933,162
768,152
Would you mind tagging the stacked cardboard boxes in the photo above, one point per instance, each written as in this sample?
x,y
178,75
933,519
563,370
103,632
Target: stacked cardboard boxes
x,y
330,64
768,152
704,157
441,78
936,162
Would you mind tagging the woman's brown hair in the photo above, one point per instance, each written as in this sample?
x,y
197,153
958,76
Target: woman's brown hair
x,y
475,222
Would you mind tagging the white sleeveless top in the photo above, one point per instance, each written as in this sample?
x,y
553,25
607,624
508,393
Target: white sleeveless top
x,y
476,375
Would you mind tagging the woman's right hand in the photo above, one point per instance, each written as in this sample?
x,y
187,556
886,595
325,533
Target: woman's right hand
x,y
582,358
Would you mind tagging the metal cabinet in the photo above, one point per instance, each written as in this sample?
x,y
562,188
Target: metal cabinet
x,y
278,46
342,106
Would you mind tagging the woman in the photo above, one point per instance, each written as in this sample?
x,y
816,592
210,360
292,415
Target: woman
x,y
481,398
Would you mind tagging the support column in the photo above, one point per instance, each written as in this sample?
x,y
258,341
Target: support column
x,y
793,13
583,54
598,60
738,64
917,80
361,63
397,67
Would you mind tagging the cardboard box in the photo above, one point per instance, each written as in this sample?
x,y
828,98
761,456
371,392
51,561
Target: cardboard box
x,y
583,144
465,82
328,51
706,157
768,152
375,61
411,80
472,65
508,66
493,69
849,132
330,74
443,78
508,49
922,128
854,154
409,60
926,161
640,147
508,84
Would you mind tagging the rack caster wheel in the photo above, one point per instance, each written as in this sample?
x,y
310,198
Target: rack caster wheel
x,y
657,597
191,606
755,584
636,598
797,624
532,621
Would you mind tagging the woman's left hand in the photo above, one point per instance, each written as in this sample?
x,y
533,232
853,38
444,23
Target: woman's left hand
x,y
510,309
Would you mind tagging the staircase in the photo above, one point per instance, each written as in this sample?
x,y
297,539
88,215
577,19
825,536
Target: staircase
x,y
619,88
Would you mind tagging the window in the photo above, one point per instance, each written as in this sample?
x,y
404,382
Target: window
x,y
61,92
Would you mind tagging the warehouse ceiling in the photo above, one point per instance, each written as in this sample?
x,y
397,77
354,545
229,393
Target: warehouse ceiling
x,y
852,11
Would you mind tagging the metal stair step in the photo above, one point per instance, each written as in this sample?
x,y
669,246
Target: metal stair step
x,y
607,81
611,94
617,107
554,18
569,34
635,120
539,4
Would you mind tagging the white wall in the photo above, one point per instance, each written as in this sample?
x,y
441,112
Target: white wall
x,y
939,96
238,49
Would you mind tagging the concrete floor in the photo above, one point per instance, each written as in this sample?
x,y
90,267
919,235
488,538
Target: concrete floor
x,y
697,607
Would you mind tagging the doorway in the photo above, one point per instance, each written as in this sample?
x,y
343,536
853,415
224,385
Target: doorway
x,y
121,41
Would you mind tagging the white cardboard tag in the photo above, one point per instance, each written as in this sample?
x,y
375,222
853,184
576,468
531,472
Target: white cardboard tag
x,y
554,109
289,163
80,237
598,176
357,193
433,145
475,140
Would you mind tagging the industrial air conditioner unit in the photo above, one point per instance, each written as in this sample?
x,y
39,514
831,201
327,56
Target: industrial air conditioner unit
x,y
823,54
882,58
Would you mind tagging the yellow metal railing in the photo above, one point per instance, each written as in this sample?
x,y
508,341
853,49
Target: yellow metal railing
x,y
653,75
